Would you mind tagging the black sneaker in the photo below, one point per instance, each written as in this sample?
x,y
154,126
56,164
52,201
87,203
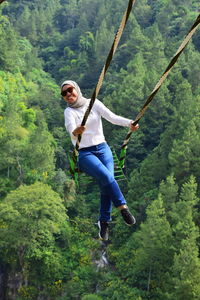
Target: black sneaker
x,y
128,217
103,230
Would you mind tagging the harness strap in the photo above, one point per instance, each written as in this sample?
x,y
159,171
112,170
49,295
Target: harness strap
x,y
157,87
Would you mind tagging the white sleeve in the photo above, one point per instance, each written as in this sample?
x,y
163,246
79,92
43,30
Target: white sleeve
x,y
110,116
70,122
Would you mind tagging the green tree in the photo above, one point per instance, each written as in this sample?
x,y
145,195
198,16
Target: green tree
x,y
183,214
153,255
148,253
184,156
40,162
33,223
115,288
9,58
169,191
185,274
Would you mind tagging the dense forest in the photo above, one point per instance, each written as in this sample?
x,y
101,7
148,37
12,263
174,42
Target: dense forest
x,y
49,246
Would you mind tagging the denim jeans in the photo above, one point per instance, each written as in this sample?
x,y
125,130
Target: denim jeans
x,y
97,161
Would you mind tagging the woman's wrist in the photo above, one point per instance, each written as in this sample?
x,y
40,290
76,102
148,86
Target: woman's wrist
x,y
130,124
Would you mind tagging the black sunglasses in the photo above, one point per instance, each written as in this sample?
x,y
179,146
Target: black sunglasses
x,y
68,90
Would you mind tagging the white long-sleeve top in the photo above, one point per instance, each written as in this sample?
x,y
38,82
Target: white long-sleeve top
x,y
93,134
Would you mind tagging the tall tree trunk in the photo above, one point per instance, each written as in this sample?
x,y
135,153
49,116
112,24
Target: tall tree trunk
x,y
15,281
149,280
3,282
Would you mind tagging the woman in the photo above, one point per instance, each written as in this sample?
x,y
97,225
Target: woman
x,y
95,156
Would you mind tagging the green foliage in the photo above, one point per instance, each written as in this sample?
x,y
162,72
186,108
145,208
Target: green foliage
x,y
169,192
185,270
37,241
149,248
116,288
8,41
184,154
91,297
33,223
64,186
27,149
160,256
47,254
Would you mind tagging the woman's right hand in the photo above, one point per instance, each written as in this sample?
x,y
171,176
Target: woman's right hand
x,y
78,130
132,127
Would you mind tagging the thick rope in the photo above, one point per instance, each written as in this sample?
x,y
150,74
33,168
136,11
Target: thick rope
x,y
157,87
103,72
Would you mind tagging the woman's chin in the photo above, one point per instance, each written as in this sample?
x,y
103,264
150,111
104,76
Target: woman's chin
x,y
71,101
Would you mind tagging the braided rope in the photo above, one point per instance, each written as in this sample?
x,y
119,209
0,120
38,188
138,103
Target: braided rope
x,y
157,86
103,72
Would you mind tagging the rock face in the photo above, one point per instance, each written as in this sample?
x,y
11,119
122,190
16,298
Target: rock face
x,y
101,260
10,284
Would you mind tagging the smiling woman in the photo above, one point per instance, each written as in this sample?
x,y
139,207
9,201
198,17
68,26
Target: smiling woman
x,y
95,156
72,94
69,94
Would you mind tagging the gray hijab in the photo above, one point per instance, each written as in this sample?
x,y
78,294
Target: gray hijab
x,y
80,100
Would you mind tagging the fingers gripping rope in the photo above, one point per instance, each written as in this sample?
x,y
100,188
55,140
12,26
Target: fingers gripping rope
x,y
157,87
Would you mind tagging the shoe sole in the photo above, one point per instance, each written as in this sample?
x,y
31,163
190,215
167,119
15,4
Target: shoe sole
x,y
130,224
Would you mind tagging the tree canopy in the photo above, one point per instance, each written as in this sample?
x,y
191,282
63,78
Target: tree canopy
x,y
49,247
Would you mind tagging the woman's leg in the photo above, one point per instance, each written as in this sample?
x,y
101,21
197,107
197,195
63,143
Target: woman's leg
x,y
105,156
97,162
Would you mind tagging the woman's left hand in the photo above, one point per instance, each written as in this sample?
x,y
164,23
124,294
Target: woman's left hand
x,y
134,128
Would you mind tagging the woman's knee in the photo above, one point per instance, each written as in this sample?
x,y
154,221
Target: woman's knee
x,y
106,179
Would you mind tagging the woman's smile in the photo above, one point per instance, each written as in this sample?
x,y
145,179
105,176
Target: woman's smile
x,y
69,94
71,98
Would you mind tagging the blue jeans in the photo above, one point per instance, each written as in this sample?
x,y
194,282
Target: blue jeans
x,y
97,161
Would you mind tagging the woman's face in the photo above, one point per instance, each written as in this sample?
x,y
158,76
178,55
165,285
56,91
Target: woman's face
x,y
69,93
